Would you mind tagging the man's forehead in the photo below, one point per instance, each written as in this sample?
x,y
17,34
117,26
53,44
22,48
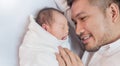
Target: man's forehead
x,y
76,9
80,5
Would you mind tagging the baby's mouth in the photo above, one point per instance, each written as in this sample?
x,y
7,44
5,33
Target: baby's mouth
x,y
64,38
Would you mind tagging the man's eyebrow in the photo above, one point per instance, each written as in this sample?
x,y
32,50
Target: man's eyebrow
x,y
80,14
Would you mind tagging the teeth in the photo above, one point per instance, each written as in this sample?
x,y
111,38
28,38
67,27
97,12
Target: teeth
x,y
85,37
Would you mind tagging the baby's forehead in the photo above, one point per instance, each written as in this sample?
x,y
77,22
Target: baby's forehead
x,y
57,13
59,17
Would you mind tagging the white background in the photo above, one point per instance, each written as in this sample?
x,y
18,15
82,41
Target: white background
x,y
13,24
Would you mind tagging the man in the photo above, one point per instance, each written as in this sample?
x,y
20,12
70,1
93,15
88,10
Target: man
x,y
98,26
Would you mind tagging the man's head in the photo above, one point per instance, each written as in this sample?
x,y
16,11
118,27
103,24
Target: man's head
x,y
53,21
97,22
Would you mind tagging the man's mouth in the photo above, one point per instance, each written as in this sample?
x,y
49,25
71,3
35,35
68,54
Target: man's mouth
x,y
85,38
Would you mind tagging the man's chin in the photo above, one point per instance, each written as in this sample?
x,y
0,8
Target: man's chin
x,y
92,49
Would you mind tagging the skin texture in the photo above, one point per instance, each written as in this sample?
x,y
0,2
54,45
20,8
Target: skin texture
x,y
59,27
94,27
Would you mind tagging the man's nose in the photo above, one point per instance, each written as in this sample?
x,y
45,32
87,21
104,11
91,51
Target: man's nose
x,y
79,29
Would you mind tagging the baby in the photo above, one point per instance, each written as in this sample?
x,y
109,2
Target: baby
x,y
53,21
49,31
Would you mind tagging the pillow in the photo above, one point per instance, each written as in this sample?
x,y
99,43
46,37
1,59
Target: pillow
x,y
62,5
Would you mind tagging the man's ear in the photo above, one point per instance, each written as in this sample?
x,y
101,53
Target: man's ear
x,y
45,26
114,12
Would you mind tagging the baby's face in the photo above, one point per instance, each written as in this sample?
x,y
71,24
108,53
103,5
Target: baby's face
x,y
59,27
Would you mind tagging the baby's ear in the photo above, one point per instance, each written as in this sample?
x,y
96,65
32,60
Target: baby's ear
x,y
45,26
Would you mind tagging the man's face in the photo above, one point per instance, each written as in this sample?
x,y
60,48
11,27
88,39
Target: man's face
x,y
59,27
92,26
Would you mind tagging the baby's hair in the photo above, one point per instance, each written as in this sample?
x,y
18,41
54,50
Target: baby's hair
x,y
45,16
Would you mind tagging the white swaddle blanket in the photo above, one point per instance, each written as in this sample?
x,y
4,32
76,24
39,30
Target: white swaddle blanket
x,y
39,47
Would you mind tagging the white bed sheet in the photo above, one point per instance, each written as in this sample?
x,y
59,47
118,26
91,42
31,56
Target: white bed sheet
x,y
13,24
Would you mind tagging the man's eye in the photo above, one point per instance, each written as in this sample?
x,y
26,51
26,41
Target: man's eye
x,y
74,22
83,18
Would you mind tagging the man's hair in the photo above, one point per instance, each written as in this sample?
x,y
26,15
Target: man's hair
x,y
103,4
45,16
69,2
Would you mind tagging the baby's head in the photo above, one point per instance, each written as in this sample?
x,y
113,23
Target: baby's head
x,y
53,21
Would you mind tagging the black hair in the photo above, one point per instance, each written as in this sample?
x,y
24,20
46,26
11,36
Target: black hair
x,y
69,2
104,3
